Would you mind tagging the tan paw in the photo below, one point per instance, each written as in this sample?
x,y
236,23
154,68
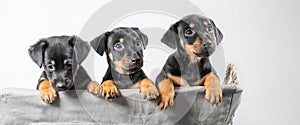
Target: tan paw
x,y
94,88
213,95
148,89
47,93
109,90
213,92
166,97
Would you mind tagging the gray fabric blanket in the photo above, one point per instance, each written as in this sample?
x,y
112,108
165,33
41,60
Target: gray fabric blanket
x,y
24,106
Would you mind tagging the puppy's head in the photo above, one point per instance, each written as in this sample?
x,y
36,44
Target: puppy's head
x,y
194,35
124,48
56,55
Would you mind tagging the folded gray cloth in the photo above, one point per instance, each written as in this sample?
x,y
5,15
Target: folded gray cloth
x,y
24,106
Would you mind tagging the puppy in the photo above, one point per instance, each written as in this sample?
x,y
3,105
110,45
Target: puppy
x,y
60,57
124,50
195,38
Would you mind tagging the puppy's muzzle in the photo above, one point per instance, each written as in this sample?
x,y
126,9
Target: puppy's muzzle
x,y
135,59
62,84
207,45
204,49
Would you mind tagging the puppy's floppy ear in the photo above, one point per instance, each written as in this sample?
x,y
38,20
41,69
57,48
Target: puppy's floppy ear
x,y
80,48
100,43
36,51
218,33
171,37
143,36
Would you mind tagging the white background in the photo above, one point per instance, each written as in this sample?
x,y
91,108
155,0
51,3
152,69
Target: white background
x,y
260,37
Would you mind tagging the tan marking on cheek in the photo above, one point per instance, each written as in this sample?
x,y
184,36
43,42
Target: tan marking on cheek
x,y
197,42
121,40
192,25
205,23
191,49
181,43
134,38
110,56
197,46
65,61
52,62
121,64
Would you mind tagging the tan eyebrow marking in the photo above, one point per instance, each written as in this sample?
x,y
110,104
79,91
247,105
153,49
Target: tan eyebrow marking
x,y
65,61
52,62
134,38
121,40
192,25
205,23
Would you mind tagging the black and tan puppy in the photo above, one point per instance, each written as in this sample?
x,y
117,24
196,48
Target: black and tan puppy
x,y
124,50
60,57
195,38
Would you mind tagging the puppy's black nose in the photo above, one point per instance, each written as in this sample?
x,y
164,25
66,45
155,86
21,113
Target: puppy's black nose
x,y
207,45
60,85
63,84
134,60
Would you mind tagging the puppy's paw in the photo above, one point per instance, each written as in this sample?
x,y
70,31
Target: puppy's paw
x,y
47,93
213,92
165,100
167,93
109,90
213,95
148,89
94,88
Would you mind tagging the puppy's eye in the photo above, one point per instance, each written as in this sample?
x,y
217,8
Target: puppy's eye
x,y
138,44
210,29
118,46
50,67
189,32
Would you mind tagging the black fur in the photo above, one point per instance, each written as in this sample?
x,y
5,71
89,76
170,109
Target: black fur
x,y
106,42
179,63
58,49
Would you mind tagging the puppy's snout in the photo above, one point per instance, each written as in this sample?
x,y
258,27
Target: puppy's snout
x,y
62,84
207,44
135,59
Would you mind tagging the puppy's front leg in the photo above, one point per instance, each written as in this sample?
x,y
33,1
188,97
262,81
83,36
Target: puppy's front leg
x,y
148,89
94,88
167,93
109,89
47,93
213,91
